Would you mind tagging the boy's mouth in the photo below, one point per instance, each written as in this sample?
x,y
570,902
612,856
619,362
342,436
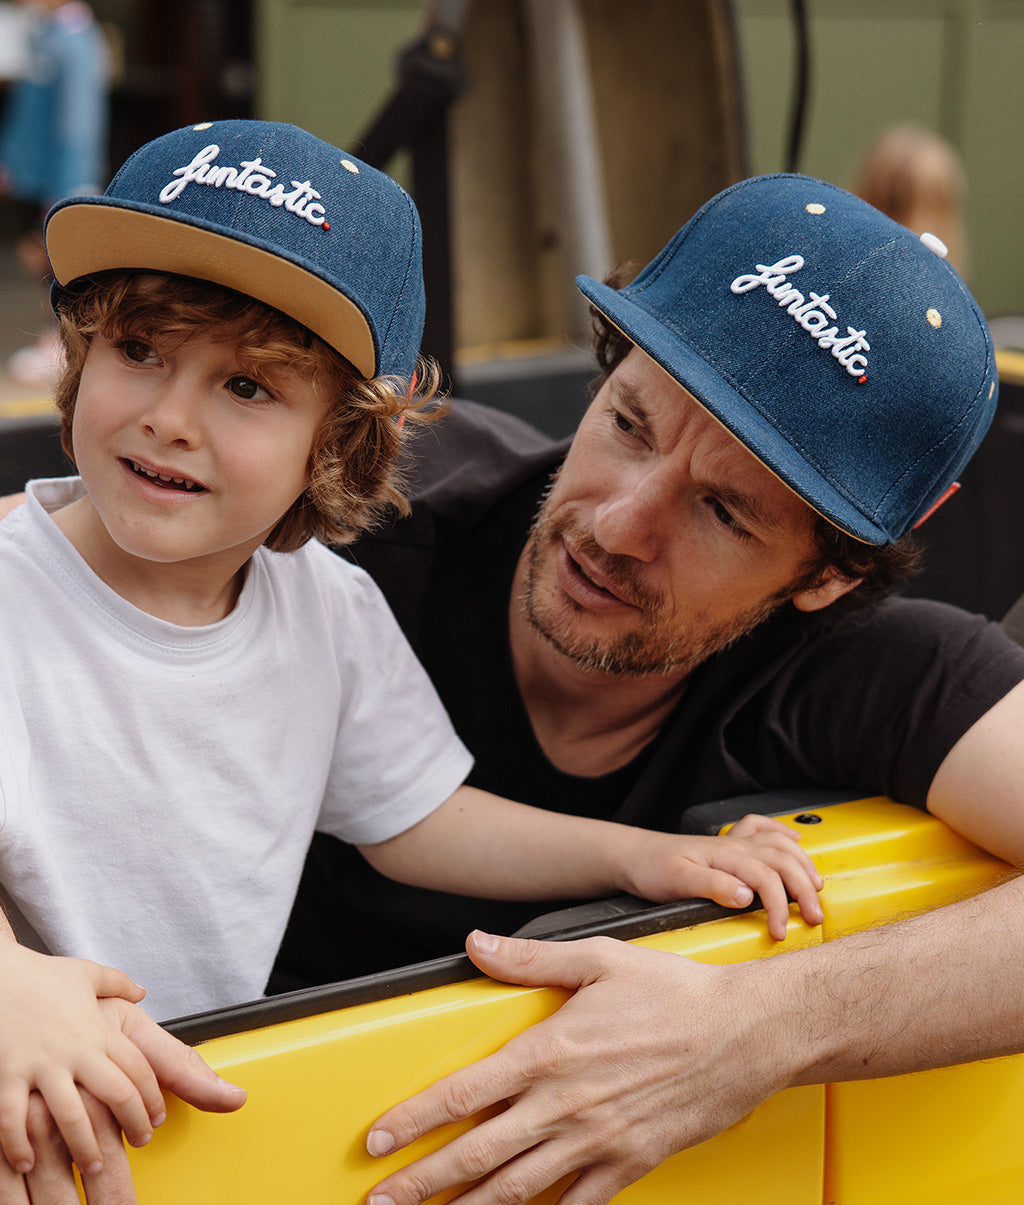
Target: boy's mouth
x,y
165,482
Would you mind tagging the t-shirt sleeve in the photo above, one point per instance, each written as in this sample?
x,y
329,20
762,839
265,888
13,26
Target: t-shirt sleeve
x,y
397,756
880,700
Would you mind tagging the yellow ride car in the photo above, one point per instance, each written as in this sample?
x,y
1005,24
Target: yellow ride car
x,y
321,1065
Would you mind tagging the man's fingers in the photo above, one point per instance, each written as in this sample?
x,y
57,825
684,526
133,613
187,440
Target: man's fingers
x,y
51,1180
567,964
525,1167
13,1189
466,1092
64,1101
456,1097
14,1140
113,1185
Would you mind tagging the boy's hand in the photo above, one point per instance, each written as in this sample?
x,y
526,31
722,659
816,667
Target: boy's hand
x,y
758,854
177,1067
57,1038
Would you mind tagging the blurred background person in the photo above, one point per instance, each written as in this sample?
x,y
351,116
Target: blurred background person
x,y
917,178
53,142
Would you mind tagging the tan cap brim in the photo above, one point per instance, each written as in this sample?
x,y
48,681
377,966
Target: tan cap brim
x,y
86,238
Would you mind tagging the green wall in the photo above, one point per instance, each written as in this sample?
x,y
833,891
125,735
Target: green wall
x,y
956,66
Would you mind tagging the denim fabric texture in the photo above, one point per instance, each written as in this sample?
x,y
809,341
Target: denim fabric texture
x,y
868,401
269,210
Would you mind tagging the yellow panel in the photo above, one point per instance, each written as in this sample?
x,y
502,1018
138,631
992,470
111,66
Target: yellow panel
x,y
941,1137
316,1084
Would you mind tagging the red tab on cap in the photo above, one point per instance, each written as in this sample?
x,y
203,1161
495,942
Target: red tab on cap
x,y
935,505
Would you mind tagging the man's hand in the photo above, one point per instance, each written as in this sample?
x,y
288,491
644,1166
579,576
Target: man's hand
x,y
609,1101
51,1180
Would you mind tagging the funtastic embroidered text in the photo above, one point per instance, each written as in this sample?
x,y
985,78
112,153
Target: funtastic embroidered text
x,y
251,176
812,312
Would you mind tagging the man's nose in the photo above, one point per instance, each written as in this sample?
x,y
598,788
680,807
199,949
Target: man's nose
x,y
635,517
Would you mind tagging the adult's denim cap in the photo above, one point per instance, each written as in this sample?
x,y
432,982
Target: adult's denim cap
x,y
836,345
269,210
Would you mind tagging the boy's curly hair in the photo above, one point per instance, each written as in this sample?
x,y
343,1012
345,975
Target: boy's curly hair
x,y
353,475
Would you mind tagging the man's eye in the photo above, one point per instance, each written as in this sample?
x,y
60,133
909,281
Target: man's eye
x,y
727,519
247,389
721,514
623,423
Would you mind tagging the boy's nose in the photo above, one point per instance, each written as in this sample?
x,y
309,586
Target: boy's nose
x,y
173,416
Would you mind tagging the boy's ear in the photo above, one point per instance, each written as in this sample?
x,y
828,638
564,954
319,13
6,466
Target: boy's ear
x,y
825,593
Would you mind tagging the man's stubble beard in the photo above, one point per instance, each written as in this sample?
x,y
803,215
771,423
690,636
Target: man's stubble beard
x,y
655,645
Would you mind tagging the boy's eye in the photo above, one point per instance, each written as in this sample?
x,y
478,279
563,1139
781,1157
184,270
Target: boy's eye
x,y
247,389
138,351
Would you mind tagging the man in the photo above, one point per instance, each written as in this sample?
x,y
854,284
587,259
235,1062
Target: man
x,y
789,388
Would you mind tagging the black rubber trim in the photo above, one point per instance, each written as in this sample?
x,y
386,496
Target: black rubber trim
x,y
624,917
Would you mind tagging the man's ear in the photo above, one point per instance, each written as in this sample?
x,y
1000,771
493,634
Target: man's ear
x,y
825,593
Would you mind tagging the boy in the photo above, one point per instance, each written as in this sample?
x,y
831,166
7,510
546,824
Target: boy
x,y
240,314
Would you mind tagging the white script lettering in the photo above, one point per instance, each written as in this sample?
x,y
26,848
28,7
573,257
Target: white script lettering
x,y
251,176
813,313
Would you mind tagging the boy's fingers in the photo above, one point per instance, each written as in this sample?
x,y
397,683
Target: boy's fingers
x,y
131,1062
108,1083
178,1068
722,886
751,824
108,981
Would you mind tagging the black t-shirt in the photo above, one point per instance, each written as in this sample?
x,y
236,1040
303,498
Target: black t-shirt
x,y
871,703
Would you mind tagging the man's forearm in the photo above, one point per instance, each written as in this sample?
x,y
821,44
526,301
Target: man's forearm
x,y
943,988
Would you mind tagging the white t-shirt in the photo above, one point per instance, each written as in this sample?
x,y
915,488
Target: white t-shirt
x,y
159,785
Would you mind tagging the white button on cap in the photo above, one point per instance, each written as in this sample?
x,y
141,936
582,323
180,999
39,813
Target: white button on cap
x,y
934,243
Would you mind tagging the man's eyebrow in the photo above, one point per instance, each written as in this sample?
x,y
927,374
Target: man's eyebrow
x,y
628,396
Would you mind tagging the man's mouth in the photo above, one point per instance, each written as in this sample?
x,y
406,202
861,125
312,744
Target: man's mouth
x,y
183,484
604,585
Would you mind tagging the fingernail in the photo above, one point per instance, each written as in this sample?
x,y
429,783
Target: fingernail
x,y
158,1120
486,943
380,1142
23,1167
743,896
380,1198
93,1168
143,1140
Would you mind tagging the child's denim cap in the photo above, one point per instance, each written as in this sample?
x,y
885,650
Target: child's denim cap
x,y
839,347
270,211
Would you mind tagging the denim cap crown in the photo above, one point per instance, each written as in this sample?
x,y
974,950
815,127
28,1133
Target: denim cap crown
x,y
839,347
269,210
